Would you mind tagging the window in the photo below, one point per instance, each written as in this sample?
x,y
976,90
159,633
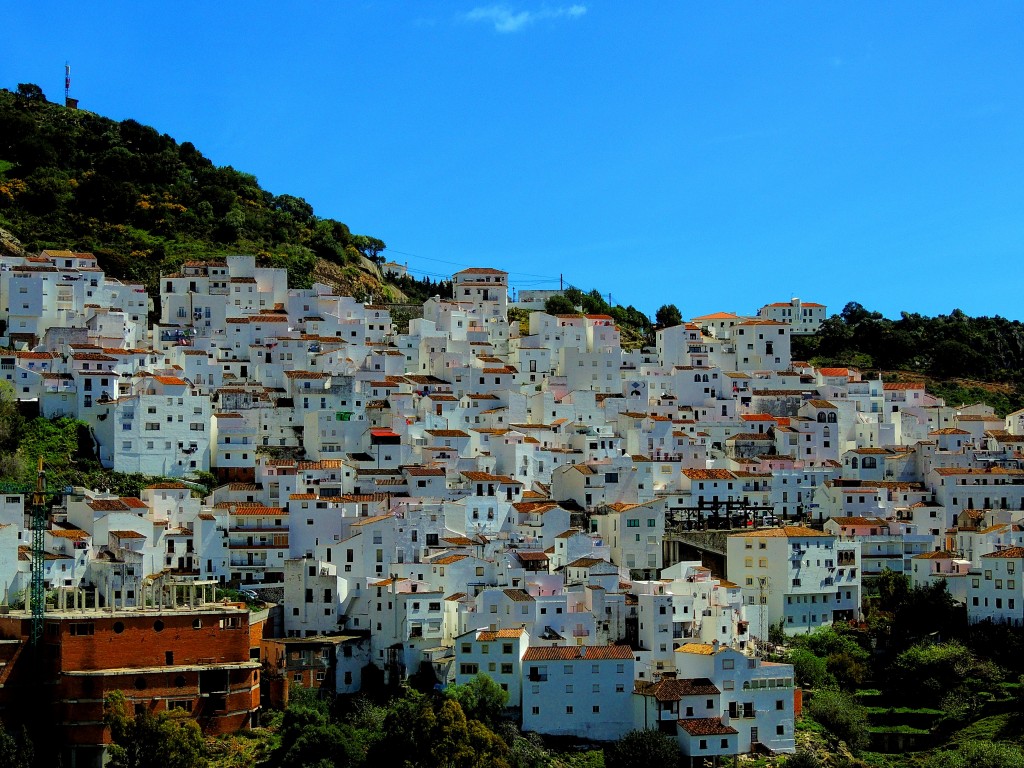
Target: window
x,y
568,709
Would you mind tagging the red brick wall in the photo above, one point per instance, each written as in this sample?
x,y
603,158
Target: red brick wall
x,y
140,644
139,650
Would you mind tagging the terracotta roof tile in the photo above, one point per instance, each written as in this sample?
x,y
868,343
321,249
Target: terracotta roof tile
x,y
706,726
578,653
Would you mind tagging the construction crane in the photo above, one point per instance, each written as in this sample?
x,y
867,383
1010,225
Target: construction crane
x,y
38,527
37,589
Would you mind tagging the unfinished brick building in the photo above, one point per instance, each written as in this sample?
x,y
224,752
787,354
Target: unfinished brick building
x,y
196,656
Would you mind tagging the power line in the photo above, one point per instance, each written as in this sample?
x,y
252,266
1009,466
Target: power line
x,y
459,264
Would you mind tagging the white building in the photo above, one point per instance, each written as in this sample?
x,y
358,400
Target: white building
x,y
803,317
583,691
795,575
995,591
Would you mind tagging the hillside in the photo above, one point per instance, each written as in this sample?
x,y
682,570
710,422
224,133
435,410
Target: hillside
x,y
960,358
143,202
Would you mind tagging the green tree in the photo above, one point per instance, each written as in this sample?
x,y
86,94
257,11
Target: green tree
x,y
841,716
30,92
575,295
893,590
777,633
56,441
594,303
481,699
420,732
642,749
309,738
11,421
810,669
668,315
847,669
836,657
559,305
145,740
370,247
925,674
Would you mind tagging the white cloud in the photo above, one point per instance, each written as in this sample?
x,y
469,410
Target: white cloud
x,y
506,20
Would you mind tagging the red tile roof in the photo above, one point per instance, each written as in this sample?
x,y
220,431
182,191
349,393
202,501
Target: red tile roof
x,y
706,726
1015,553
673,689
578,653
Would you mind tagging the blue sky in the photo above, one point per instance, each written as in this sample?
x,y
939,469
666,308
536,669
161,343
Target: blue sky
x,y
716,156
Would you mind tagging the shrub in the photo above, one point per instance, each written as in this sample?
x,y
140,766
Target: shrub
x,y
841,716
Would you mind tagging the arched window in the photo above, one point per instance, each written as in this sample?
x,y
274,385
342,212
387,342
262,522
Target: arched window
x,y
832,418
705,379
870,462
821,417
696,377
853,462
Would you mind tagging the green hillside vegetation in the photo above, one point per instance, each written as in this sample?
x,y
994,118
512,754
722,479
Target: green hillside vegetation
x,y
460,728
960,358
143,203
634,326
915,685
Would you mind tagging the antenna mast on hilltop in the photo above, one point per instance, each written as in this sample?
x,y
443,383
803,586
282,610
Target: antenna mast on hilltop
x,y
69,102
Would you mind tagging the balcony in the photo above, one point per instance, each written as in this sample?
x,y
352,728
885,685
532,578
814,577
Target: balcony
x,y
234,563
